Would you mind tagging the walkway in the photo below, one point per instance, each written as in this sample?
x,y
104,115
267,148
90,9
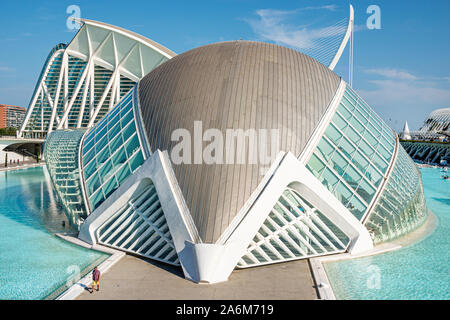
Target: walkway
x,y
134,278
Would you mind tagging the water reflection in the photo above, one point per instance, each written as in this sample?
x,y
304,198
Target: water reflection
x,y
18,190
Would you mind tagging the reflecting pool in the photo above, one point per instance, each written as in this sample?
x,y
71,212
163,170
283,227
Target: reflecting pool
x,y
34,263
418,271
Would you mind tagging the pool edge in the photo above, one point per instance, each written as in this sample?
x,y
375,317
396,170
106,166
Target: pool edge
x,y
77,288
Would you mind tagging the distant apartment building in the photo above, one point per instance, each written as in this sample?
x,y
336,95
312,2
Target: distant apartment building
x,y
11,116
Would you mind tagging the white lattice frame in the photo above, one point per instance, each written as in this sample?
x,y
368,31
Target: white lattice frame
x,y
87,78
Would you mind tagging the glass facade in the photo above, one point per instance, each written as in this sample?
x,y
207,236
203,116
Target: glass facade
x,y
294,229
111,152
40,117
401,207
61,155
353,155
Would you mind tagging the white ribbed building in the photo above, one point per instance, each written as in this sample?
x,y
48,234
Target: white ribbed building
x,y
81,81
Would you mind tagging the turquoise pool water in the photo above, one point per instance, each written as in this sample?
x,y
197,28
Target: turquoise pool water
x,y
33,261
418,271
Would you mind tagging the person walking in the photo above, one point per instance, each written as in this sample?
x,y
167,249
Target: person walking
x,y
95,279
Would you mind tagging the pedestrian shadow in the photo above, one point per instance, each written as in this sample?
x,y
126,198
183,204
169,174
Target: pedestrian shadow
x,y
85,287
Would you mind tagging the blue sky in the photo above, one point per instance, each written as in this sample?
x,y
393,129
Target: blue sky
x,y
401,70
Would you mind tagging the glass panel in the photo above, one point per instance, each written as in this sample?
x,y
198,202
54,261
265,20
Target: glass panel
x,y
315,165
346,148
106,171
339,164
136,161
357,126
110,186
350,96
61,152
352,135
371,139
361,118
123,173
114,120
132,145
401,207
387,144
333,134
100,134
374,131
356,207
329,179
365,191
89,170
325,149
346,102
386,154
352,177
344,112
128,131
88,157
343,193
116,143
339,121
360,162
101,158
366,149
101,125
97,199
87,145
101,144
380,163
93,184
373,175
127,118
90,135
113,131
119,158
364,112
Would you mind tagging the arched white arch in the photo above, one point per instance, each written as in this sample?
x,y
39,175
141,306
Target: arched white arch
x,y
83,80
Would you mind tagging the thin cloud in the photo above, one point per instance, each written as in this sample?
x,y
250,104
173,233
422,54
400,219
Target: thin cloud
x,y
392,73
402,99
271,25
6,69
330,7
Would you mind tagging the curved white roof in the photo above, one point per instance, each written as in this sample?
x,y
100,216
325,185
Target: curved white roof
x,y
82,81
437,121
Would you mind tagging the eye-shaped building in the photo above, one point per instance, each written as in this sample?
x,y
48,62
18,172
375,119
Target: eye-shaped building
x,y
231,155
336,180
